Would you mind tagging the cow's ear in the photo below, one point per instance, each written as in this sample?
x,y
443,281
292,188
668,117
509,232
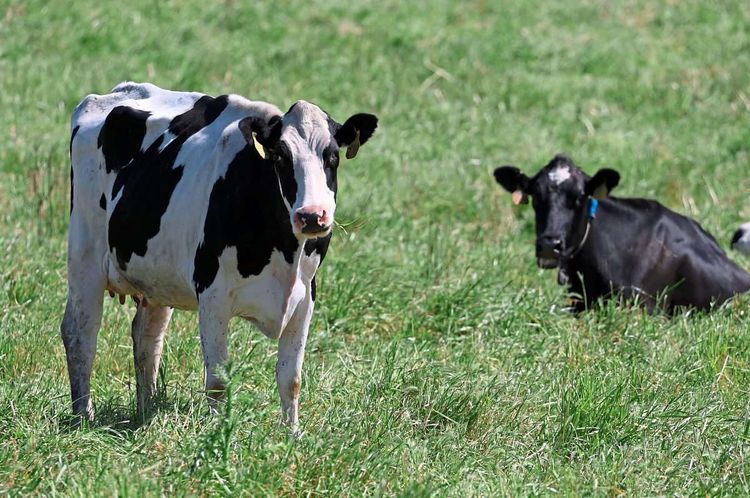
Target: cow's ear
x,y
355,132
602,183
514,181
261,133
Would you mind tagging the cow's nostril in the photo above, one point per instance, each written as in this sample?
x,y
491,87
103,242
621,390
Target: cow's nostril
x,y
312,220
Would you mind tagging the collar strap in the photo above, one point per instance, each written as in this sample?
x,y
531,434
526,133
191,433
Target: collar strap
x,y
592,209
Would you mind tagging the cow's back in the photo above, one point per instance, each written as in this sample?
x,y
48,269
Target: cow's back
x,y
709,274
144,162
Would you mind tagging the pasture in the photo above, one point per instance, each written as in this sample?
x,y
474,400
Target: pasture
x,y
440,360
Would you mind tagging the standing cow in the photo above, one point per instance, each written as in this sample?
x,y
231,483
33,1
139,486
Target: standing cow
x,y
628,247
183,200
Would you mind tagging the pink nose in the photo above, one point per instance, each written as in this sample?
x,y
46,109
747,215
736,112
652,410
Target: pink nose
x,y
312,219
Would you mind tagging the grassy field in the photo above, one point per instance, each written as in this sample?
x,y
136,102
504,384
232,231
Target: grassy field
x,y
440,361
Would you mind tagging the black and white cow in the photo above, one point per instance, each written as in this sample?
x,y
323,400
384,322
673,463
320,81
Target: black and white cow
x,y
741,239
628,247
218,204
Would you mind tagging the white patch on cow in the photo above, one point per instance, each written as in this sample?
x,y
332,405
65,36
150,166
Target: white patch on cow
x,y
305,131
743,243
559,174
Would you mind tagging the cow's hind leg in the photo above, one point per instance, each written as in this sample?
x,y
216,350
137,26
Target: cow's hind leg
x,y
149,326
79,329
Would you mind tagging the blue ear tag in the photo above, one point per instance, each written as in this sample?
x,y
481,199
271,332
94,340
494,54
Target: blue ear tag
x,y
593,206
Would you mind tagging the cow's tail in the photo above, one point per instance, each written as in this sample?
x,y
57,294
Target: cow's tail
x,y
741,239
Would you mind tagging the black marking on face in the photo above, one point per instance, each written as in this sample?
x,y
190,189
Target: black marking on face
x,y
245,212
283,162
150,178
72,137
121,136
331,166
103,202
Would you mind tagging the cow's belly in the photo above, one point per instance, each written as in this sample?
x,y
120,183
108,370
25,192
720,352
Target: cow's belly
x,y
161,285
268,300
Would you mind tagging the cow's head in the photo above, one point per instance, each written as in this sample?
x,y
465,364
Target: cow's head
x,y
304,147
559,193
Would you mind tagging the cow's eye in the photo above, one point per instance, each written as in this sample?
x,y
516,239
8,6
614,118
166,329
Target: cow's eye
x,y
279,159
331,159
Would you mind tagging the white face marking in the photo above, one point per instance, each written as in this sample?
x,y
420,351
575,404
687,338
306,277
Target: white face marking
x,y
559,174
306,133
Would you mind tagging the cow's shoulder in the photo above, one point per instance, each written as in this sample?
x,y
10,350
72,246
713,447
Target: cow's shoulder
x,y
246,212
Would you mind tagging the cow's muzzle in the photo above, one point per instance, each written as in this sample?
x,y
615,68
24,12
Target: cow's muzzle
x,y
312,221
548,251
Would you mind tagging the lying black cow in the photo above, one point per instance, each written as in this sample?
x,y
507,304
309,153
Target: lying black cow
x,y
605,246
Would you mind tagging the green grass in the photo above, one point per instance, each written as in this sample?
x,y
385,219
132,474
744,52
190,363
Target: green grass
x,y
440,361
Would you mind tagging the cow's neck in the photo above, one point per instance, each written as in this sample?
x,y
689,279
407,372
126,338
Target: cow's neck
x,y
584,266
579,236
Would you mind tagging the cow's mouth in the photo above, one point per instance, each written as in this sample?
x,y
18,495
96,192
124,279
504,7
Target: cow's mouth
x,y
547,263
547,257
316,234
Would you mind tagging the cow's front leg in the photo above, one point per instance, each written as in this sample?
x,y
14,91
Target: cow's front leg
x,y
213,319
289,364
149,325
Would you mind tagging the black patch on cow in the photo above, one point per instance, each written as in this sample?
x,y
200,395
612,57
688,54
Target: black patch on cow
x,y
319,245
204,112
103,202
151,176
147,185
121,136
245,211
313,288
72,137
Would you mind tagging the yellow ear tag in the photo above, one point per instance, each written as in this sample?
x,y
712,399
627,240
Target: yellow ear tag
x,y
518,197
261,150
353,148
600,192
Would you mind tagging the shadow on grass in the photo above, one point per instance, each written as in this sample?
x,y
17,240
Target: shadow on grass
x,y
123,419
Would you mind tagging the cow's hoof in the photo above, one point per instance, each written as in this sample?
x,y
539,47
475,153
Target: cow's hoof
x,y
75,422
